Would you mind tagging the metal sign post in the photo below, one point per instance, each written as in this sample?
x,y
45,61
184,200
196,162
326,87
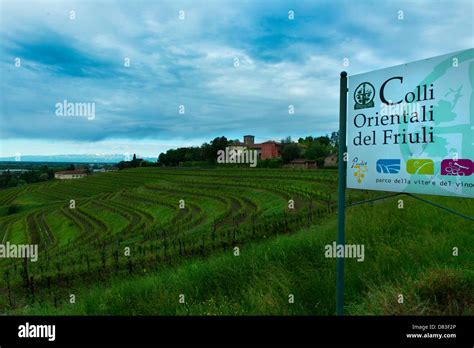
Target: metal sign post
x,y
341,211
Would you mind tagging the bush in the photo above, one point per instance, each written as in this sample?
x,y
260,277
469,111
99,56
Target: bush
x,y
270,163
320,162
13,209
290,152
194,164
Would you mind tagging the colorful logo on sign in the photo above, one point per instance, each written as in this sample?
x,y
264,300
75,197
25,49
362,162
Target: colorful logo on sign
x,y
420,166
360,167
364,96
388,166
460,167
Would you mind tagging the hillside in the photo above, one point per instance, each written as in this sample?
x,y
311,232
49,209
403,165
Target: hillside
x,y
191,251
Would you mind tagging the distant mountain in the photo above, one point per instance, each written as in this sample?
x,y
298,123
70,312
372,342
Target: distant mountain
x,y
86,158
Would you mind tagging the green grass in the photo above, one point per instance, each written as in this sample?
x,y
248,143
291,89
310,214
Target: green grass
x,y
115,221
405,253
65,230
18,234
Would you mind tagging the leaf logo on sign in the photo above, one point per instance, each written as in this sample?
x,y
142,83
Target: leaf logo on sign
x,y
420,166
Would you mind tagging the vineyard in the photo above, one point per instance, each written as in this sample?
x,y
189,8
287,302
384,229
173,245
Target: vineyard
x,y
136,223
160,216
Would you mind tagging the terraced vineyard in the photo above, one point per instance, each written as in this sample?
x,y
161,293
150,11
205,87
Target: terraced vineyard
x,y
131,242
135,221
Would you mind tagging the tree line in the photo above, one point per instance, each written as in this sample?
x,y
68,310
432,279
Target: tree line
x,y
312,148
15,179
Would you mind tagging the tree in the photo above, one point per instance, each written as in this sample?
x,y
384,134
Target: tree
x,y
21,182
208,151
290,152
323,140
43,177
335,139
306,141
163,159
217,144
317,151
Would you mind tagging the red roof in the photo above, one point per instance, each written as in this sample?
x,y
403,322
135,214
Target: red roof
x,y
271,142
255,145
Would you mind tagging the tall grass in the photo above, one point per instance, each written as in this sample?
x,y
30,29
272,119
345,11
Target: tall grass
x,y
408,252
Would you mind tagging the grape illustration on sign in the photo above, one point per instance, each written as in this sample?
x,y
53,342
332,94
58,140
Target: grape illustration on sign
x,y
410,127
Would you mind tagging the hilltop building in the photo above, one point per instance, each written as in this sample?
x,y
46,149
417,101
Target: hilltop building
x,y
105,169
268,149
70,174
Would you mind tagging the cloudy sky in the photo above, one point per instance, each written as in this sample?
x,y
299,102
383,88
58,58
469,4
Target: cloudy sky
x,y
235,66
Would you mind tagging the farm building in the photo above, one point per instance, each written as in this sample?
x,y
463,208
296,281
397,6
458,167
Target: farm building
x,y
268,149
331,160
70,174
105,169
303,164
98,170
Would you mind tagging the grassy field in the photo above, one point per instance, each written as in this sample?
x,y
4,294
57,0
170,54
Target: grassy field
x,y
183,260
